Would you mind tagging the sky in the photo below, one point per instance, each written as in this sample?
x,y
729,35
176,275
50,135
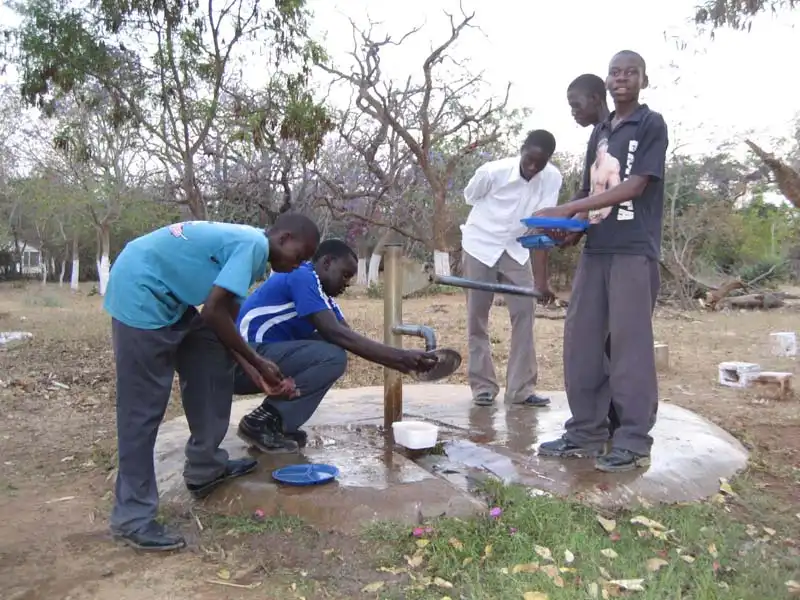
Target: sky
x,y
710,91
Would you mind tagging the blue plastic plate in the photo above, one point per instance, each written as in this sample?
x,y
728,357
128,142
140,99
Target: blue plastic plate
x,y
550,223
305,474
536,242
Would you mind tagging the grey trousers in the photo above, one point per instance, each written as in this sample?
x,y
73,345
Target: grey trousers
x,y
315,365
522,369
613,296
146,361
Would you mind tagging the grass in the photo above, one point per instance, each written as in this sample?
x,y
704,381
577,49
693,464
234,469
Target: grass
x,y
701,552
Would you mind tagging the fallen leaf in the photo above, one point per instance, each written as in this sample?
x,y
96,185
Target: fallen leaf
x,y
608,553
393,570
566,570
328,551
769,531
442,583
543,552
422,543
534,596
593,589
644,503
224,574
654,564
718,499
414,561
504,570
687,558
725,487
649,523
487,552
629,585
712,550
607,524
552,572
604,573
569,557
793,586
525,568
456,543
371,588
466,561
751,530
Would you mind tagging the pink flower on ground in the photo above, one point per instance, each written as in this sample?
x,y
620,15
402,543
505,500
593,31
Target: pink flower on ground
x,y
512,530
496,512
419,531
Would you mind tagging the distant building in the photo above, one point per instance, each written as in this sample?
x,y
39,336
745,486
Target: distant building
x,y
31,263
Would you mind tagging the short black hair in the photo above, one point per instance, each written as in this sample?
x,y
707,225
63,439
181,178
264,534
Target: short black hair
x,y
588,83
335,249
299,225
539,138
634,55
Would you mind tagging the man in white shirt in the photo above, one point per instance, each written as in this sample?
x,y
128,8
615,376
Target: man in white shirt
x,y
503,192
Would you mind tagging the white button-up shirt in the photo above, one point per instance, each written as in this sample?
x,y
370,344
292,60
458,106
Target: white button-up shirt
x,y
500,198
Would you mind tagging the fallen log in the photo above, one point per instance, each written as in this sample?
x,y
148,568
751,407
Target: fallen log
x,y
752,302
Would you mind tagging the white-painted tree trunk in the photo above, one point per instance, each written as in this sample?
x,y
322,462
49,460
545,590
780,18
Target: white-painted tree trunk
x,y
62,272
43,264
76,266
361,277
105,265
373,276
441,263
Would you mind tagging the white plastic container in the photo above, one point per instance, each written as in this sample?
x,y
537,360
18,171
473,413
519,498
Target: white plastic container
x,y
784,343
737,374
415,435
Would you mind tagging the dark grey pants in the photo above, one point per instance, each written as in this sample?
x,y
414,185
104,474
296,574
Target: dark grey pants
x,y
315,365
146,362
612,301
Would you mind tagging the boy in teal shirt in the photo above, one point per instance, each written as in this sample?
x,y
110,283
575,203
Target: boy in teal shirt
x,y
153,289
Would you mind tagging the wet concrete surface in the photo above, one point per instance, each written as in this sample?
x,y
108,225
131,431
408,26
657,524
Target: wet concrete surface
x,y
377,481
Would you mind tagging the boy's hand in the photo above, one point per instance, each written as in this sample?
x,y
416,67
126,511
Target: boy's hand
x,y
546,295
407,361
274,383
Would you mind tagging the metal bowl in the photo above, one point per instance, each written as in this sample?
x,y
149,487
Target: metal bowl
x,y
448,362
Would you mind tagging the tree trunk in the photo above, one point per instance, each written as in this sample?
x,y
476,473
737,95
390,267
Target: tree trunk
x,y
373,276
104,251
43,265
194,198
63,271
76,265
441,252
363,250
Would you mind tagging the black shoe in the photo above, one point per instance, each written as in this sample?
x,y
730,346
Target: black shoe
x,y
619,460
483,399
235,468
563,448
152,538
266,436
534,401
299,436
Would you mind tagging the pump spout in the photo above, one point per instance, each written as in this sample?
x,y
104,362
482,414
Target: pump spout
x,y
420,331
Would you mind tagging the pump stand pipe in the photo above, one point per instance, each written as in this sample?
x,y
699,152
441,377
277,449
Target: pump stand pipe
x,y
392,318
498,288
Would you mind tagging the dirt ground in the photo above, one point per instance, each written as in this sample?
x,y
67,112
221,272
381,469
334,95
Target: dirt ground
x,y
57,448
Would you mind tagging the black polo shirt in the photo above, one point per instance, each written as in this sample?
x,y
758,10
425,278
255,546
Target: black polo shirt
x,y
637,146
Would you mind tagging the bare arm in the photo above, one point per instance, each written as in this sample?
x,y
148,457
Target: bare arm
x,y
540,274
629,189
333,331
219,313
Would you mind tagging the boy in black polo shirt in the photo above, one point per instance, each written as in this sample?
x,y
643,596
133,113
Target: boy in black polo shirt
x,y
617,279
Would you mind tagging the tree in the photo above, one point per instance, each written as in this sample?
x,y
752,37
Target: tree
x,y
436,115
736,14
175,93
